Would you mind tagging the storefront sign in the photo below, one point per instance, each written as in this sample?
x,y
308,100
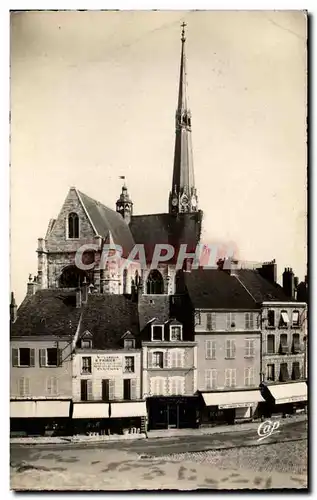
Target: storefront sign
x,y
236,405
293,399
108,363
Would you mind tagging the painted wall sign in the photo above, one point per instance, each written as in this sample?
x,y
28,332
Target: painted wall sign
x,y
108,363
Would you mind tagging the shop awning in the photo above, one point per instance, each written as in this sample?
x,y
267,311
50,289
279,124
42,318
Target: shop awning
x,y
133,409
234,399
289,393
91,410
39,409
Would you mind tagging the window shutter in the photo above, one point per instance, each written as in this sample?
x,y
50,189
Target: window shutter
x,y
111,389
233,348
233,377
32,357
166,359
213,379
15,357
89,390
21,386
208,379
133,389
227,377
59,357
213,349
150,359
26,386
228,350
49,385
42,357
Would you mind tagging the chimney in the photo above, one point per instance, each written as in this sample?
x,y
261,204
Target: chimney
x,y
85,291
13,309
78,298
32,286
269,271
288,282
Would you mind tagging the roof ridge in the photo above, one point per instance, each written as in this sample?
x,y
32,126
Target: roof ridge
x,y
238,279
79,194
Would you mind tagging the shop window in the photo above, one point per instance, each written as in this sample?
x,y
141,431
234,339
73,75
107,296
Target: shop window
x,y
157,332
270,372
210,349
296,371
284,320
23,357
249,321
86,364
283,344
249,348
129,364
230,349
284,377
295,319
271,318
86,390
175,333
271,344
296,344
73,226
50,357
157,360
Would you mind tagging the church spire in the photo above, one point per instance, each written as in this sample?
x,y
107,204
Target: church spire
x,y
183,196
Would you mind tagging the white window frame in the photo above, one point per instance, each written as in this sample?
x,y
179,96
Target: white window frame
x,y
231,319
176,359
129,340
249,348
231,376
133,364
249,377
231,349
181,333
152,333
84,372
152,360
211,379
52,386
154,382
179,386
31,355
210,349
249,320
296,324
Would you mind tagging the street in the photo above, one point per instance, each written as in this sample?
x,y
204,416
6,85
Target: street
x,y
187,462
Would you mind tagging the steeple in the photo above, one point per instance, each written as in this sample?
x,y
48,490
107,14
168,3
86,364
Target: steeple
x,y
183,196
124,204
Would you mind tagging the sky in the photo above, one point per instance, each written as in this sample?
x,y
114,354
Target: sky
x,y
94,95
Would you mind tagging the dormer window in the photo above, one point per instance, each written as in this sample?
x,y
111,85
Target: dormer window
x,y
158,333
129,343
175,333
73,225
86,344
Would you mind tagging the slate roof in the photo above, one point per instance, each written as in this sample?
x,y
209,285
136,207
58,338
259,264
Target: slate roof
x,y
153,306
216,289
261,289
107,318
48,312
104,219
166,229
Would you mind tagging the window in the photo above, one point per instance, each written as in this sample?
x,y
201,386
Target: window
x,y
23,357
249,348
157,332
86,364
283,373
211,321
52,386
270,372
129,364
50,357
295,319
73,225
210,379
158,386
271,318
296,371
175,333
105,390
125,280
230,349
284,321
271,344
176,385
296,345
230,377
231,321
155,283
283,344
86,390
157,360
129,343
86,344
177,358
24,386
197,318
210,349
249,377
249,321
129,389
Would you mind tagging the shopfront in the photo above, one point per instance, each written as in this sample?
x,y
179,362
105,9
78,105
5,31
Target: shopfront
x,y
40,417
286,399
173,412
229,406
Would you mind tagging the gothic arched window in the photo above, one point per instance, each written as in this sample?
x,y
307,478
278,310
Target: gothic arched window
x,y
73,225
155,283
